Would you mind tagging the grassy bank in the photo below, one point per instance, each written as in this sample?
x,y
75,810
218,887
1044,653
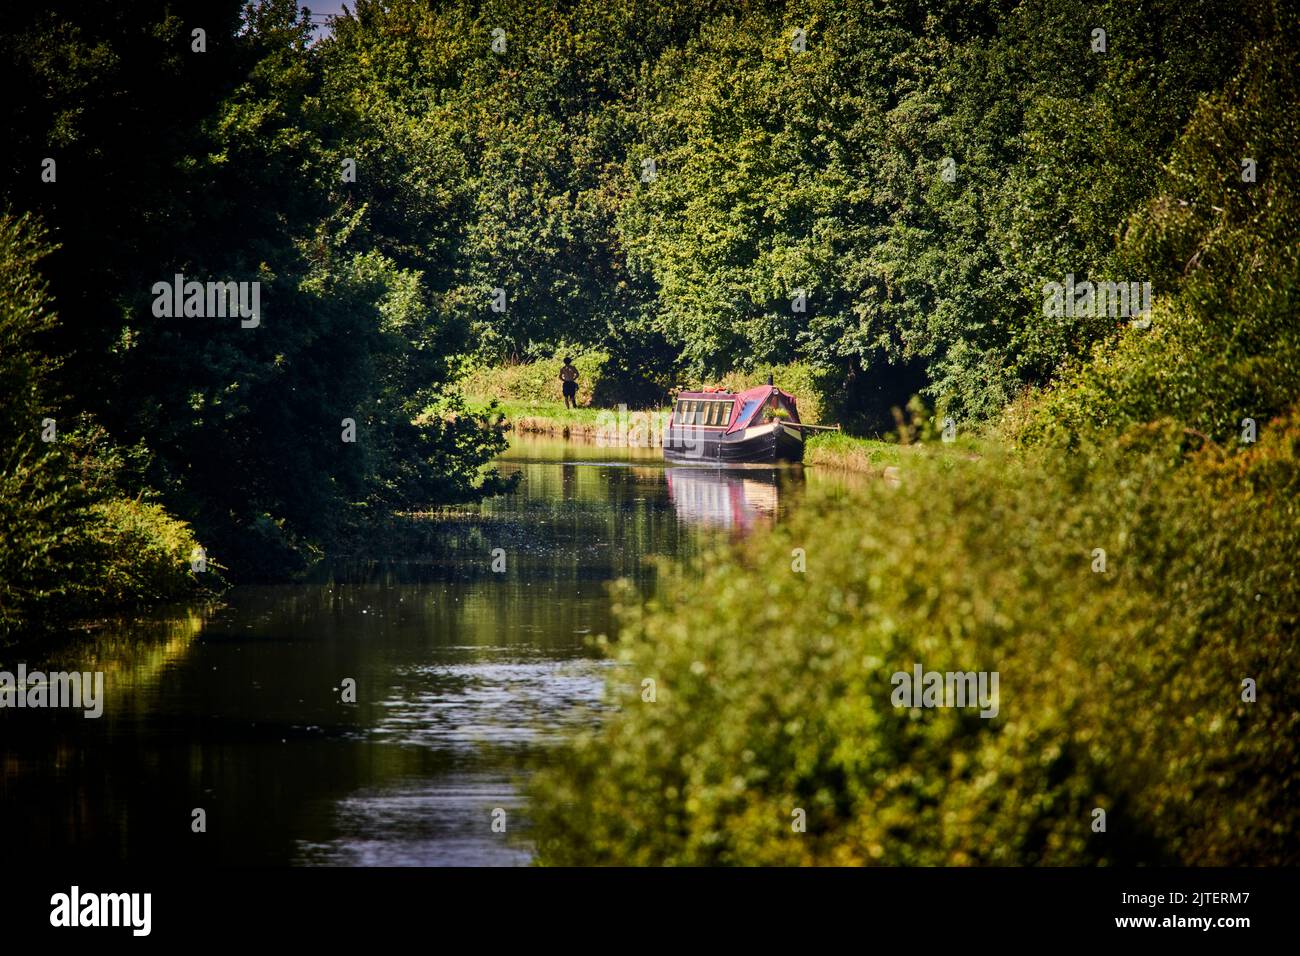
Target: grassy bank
x,y
537,382
641,428
837,450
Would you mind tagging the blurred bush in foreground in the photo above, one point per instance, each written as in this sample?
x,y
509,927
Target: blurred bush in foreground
x,y
1120,690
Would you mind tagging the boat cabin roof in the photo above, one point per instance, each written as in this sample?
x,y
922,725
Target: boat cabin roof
x,y
745,405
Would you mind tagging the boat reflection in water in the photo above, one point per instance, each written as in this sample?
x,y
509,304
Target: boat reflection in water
x,y
728,498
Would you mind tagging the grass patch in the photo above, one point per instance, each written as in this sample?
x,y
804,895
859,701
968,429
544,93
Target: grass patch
x,y
553,413
837,450
643,428
534,382
873,456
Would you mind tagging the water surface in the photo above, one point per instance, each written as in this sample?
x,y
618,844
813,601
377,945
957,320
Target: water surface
x,y
463,676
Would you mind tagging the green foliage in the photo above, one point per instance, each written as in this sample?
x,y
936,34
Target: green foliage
x,y
135,553
504,169
70,548
227,166
537,381
822,171
39,504
1224,343
40,509
1120,690
66,556
24,317
837,450
775,171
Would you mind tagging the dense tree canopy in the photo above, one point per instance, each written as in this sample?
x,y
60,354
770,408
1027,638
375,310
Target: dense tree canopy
x,y
222,164
879,189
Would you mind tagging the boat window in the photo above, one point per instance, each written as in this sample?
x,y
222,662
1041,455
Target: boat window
x,y
748,409
707,412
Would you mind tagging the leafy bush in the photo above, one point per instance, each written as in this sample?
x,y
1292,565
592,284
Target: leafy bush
x,y
39,510
63,560
72,544
137,553
1119,690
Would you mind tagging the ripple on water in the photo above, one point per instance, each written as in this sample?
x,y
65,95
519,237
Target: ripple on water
x,y
512,702
459,708
447,823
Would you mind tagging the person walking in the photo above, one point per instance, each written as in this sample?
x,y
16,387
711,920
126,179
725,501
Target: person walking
x,y
569,383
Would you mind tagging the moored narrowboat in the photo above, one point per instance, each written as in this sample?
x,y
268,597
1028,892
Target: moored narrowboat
x,y
759,425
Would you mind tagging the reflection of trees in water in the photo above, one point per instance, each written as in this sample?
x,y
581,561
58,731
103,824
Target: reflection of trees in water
x,y
133,656
565,521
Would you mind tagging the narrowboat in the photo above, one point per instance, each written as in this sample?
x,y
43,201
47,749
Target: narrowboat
x,y
759,425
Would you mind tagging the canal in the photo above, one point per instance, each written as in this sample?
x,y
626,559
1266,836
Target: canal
x,y
386,710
